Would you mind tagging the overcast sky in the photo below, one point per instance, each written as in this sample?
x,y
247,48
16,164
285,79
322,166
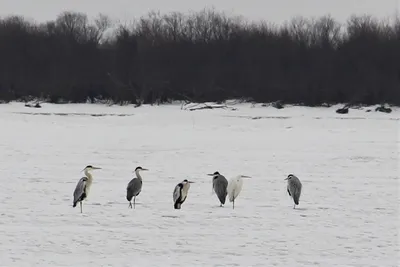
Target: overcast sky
x,y
270,10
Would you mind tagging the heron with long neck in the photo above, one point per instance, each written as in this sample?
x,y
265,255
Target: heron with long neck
x,y
82,189
135,187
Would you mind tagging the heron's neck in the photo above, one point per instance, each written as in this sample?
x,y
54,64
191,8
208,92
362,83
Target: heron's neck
x,y
89,175
138,175
186,186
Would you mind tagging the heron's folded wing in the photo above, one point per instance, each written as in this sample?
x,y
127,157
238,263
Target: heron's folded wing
x,y
220,188
177,192
231,190
135,186
130,184
295,188
80,189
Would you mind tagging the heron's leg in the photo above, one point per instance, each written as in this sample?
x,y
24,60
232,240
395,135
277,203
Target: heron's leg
x,y
134,200
294,206
81,205
130,204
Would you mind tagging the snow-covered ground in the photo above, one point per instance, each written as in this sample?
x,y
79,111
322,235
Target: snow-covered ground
x,y
348,164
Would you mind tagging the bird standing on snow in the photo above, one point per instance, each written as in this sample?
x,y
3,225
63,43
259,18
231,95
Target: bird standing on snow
x,y
220,185
82,189
294,188
180,193
235,187
134,187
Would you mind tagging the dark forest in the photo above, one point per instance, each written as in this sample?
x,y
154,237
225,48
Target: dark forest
x,y
198,57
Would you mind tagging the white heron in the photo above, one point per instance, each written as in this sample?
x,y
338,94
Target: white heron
x,y
134,187
235,187
294,188
82,189
220,185
180,193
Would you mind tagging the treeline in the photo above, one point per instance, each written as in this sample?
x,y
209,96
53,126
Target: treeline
x,y
204,56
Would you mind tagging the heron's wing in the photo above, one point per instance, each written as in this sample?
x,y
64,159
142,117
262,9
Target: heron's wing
x,y
220,188
133,189
177,192
295,189
80,189
234,188
219,180
230,189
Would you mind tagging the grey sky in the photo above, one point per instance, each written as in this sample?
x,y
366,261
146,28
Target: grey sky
x,y
270,10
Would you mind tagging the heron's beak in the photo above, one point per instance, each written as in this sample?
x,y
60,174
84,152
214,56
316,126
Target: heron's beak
x,y
144,169
96,168
190,182
245,176
286,178
210,174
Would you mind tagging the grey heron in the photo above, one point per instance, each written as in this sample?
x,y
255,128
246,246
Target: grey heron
x,y
134,187
220,185
294,188
235,187
180,193
82,189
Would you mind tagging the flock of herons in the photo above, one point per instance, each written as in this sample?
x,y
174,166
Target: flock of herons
x,y
221,187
